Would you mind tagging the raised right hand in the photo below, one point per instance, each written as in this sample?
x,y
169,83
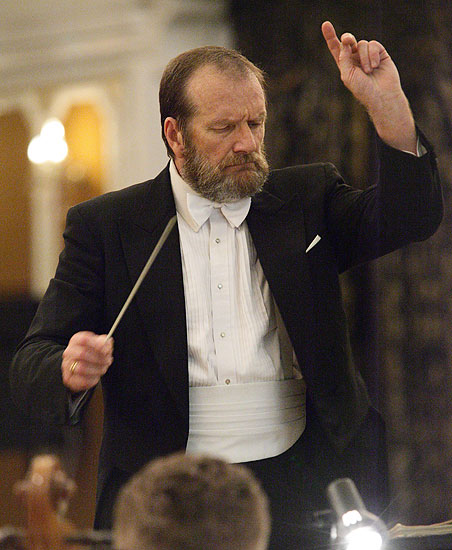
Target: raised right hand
x,y
86,358
369,73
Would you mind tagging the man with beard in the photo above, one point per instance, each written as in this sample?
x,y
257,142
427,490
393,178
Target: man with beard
x,y
236,343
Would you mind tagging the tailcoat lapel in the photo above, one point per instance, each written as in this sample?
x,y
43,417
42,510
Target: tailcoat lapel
x,y
278,231
161,297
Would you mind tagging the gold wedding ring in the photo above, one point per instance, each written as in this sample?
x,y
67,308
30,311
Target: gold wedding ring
x,y
73,367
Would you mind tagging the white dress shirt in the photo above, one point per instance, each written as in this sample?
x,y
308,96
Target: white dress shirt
x,y
232,321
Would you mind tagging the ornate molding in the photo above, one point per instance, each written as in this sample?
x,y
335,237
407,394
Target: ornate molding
x,y
60,40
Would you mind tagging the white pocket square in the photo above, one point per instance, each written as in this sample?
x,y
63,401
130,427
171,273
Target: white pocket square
x,y
314,242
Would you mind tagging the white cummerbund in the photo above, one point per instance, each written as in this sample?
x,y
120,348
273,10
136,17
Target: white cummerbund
x,y
244,422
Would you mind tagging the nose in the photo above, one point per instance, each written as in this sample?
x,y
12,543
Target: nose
x,y
246,141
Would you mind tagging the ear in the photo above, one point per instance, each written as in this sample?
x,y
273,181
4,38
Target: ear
x,y
174,137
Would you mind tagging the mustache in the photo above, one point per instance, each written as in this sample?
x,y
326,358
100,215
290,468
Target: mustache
x,y
240,159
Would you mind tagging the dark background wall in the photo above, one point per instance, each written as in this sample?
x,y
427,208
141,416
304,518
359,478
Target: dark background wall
x,y
400,306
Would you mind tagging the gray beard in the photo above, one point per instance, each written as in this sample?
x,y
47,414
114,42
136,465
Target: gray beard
x,y
210,182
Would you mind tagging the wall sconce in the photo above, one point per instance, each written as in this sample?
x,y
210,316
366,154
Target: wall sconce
x,y
49,145
355,527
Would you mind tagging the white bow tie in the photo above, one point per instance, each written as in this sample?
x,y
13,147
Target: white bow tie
x,y
200,209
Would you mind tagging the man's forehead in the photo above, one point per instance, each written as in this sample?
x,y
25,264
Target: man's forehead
x,y
211,86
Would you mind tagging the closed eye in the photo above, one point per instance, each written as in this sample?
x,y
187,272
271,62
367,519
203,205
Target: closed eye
x,y
222,128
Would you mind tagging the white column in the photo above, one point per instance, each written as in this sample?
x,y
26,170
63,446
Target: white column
x,y
46,239
141,151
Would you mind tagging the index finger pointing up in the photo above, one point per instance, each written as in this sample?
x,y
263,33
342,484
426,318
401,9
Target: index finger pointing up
x,y
331,39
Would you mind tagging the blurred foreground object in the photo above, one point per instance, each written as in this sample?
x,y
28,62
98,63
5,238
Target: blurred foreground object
x,y
192,502
45,495
355,527
437,536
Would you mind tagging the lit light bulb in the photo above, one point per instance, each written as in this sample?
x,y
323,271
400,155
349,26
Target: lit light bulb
x,y
355,528
363,538
53,130
57,151
49,145
36,150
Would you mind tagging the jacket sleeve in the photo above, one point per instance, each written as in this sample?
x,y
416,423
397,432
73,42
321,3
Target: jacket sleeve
x,y
72,302
404,206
